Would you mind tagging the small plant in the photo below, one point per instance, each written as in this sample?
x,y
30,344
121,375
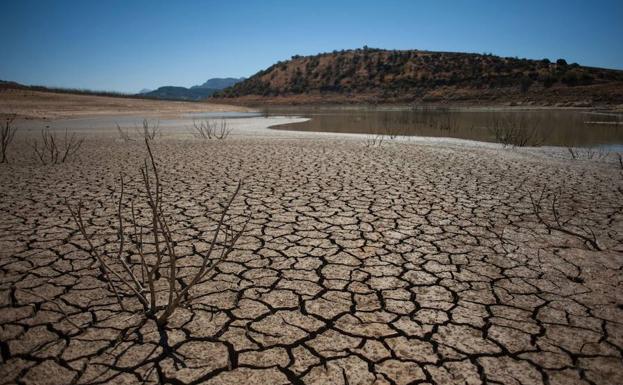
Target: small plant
x,y
223,130
52,151
374,140
589,153
203,129
515,131
7,133
208,129
156,279
150,130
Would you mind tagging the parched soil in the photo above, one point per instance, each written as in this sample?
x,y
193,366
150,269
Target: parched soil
x,y
49,105
408,263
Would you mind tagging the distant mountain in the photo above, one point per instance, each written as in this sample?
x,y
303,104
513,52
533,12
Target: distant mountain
x,y
144,91
180,93
193,93
375,75
219,83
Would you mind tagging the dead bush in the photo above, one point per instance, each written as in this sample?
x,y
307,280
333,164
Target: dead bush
x,y
150,130
374,140
145,263
208,129
515,131
7,133
52,150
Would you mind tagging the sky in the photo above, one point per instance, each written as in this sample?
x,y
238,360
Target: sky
x,y
125,45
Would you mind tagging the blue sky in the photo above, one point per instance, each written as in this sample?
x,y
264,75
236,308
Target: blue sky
x,y
129,45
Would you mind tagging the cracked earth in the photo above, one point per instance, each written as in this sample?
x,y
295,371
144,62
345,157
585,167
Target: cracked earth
x,y
404,264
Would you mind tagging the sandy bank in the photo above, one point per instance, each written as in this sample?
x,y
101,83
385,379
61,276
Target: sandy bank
x,y
47,105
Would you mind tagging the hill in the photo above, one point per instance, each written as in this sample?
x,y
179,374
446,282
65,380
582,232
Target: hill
x,y
219,83
194,93
179,93
199,92
375,75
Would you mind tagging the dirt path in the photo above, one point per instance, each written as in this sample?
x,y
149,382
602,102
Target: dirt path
x,y
408,263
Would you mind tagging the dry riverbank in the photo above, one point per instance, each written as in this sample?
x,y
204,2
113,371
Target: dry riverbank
x,y
49,105
416,261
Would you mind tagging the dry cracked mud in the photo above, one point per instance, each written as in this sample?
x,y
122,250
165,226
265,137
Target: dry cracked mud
x,y
404,264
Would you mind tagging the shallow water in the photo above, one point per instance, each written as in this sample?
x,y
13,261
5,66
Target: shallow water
x,y
554,127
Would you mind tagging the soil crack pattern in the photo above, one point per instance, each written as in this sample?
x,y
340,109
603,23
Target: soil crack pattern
x,y
400,264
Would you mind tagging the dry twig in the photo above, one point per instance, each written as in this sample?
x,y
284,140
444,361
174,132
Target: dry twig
x,y
52,151
7,133
374,140
150,130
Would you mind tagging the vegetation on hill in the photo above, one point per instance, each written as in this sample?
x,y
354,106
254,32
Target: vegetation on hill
x,y
390,75
219,83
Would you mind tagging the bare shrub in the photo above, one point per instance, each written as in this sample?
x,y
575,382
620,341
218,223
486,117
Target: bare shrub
x,y
515,131
374,140
155,280
620,157
150,130
222,130
589,153
52,150
203,129
208,129
7,133
552,219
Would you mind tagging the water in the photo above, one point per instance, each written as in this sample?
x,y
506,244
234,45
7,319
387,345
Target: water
x,y
222,115
554,127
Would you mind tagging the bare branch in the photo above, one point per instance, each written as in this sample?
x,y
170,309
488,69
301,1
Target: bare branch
x,y
164,254
7,133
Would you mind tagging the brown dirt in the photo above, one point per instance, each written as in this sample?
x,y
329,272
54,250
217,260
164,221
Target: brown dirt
x,y
408,263
607,96
49,105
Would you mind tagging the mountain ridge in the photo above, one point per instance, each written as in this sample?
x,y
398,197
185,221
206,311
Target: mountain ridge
x,y
219,83
198,92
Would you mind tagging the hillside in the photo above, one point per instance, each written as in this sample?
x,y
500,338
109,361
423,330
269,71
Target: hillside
x,y
374,75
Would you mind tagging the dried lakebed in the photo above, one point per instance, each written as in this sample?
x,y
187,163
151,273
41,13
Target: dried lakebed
x,y
406,263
